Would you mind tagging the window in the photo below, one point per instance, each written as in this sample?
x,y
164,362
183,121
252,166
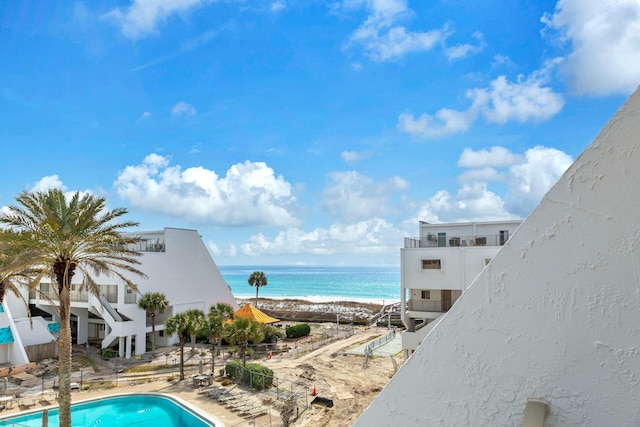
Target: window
x,y
487,261
426,294
161,333
431,264
504,236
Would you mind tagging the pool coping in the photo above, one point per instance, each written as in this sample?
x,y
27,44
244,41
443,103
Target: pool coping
x,y
212,420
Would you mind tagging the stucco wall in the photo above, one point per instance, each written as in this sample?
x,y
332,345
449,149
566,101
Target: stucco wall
x,y
554,316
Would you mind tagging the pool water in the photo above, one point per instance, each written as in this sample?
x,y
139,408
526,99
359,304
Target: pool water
x,y
139,410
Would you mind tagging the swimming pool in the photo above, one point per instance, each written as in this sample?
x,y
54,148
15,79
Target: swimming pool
x,y
139,410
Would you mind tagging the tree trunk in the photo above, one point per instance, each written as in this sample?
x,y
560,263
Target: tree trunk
x,y
181,358
63,274
153,334
244,354
257,288
213,354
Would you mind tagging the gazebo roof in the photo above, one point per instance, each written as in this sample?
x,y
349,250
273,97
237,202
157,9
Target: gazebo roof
x,y
250,312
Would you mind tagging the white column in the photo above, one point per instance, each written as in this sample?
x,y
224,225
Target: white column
x,y
141,345
120,346
128,348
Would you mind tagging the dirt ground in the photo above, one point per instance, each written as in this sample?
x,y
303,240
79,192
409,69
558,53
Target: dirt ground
x,y
338,376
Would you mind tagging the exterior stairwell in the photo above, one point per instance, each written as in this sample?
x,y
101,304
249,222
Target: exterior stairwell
x,y
116,323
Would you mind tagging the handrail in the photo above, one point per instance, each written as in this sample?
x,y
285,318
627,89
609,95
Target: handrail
x,y
378,342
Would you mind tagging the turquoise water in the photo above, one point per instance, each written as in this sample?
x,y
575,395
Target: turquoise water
x,y
132,410
318,283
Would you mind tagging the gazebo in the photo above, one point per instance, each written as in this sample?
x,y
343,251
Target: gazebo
x,y
248,311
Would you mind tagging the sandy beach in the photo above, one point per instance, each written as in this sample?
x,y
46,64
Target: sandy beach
x,y
300,310
328,367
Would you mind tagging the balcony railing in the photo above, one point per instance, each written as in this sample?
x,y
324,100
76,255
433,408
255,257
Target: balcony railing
x,y
147,245
110,292
426,305
53,295
435,241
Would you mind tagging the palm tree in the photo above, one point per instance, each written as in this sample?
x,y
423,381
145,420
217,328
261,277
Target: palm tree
x,y
151,302
61,236
197,325
242,331
257,279
179,324
219,314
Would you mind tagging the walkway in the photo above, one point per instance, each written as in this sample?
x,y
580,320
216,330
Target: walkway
x,y
391,348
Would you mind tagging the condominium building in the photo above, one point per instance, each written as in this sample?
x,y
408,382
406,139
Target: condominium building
x,y
439,265
176,263
547,334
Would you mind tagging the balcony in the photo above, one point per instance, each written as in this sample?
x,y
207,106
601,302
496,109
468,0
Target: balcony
x,y
110,292
430,306
435,241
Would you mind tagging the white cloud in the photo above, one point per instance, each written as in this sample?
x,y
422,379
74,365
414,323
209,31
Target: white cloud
x,y
353,196
183,109
526,99
466,49
384,40
496,156
351,157
146,115
604,38
48,182
370,237
142,17
278,5
446,122
530,179
249,195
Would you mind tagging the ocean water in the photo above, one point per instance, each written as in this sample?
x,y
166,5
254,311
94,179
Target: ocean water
x,y
318,284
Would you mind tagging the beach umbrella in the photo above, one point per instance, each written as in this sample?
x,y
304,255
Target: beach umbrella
x,y
250,312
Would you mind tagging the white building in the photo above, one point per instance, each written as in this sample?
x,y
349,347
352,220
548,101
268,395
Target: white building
x,y
439,265
549,332
176,263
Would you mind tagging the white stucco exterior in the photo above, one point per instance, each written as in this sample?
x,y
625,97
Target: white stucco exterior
x,y
176,263
555,315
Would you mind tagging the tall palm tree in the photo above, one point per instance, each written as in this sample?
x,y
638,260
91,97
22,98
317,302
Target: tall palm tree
x,y
62,236
218,315
197,325
179,324
152,302
242,331
257,279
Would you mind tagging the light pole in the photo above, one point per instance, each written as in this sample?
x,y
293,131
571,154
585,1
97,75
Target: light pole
x,y
80,379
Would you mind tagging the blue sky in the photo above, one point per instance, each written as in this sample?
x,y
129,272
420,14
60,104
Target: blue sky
x,y
308,132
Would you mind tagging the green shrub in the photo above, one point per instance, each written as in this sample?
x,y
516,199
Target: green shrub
x,y
253,375
297,331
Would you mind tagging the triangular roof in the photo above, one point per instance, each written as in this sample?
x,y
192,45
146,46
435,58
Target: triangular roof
x,y
553,317
250,312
